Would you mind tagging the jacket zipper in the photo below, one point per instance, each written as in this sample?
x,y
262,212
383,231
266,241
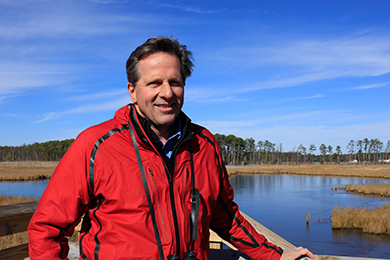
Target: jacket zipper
x,y
175,222
169,172
158,202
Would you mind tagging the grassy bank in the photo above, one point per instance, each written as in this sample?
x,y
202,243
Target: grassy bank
x,y
18,238
26,171
372,221
382,190
349,170
9,200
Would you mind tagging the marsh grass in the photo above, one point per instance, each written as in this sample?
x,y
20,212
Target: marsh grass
x,y
372,221
13,240
36,170
370,189
350,170
26,171
9,200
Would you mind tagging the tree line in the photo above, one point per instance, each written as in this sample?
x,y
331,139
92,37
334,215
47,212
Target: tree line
x,y
235,151
239,151
46,151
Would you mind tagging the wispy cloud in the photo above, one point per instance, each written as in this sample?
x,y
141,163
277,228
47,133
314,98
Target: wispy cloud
x,y
10,114
108,106
240,124
101,95
88,108
193,9
108,1
379,85
294,62
48,116
53,19
301,98
16,78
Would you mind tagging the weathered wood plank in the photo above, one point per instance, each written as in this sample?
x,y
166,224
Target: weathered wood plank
x,y
15,209
15,253
271,236
15,218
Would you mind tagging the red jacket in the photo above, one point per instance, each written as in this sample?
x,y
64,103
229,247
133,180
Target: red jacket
x,y
100,176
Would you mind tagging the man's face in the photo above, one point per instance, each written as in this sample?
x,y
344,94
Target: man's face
x,y
159,93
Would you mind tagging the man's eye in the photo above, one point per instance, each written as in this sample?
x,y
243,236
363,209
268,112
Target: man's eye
x,y
176,83
153,84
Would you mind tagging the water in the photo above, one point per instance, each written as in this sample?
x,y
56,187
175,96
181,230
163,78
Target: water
x,y
30,189
281,202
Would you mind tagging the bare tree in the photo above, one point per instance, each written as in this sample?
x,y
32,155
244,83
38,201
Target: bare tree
x,y
351,149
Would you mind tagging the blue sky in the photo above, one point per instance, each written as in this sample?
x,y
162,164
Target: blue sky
x,y
291,72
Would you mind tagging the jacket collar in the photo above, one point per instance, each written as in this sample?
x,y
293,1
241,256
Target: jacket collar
x,y
142,127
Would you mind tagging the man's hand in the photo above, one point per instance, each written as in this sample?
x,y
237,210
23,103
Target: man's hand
x,y
292,254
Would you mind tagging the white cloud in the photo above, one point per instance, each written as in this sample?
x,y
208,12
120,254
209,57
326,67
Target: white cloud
x,y
296,61
48,116
100,95
379,85
16,78
108,106
301,98
285,119
193,9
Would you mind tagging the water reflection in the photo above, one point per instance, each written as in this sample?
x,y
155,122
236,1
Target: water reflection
x,y
281,203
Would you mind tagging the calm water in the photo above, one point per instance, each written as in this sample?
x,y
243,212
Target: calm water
x,y
281,202
26,188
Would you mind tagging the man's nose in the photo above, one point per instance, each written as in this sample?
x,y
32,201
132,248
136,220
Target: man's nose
x,y
166,90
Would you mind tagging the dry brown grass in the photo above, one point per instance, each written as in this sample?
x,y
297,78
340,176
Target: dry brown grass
x,y
14,171
378,171
9,200
372,221
26,171
13,240
369,189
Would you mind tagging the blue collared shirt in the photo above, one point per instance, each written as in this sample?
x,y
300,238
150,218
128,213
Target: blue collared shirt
x,y
168,147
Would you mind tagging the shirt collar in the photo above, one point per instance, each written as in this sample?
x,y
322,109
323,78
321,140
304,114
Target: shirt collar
x,y
168,147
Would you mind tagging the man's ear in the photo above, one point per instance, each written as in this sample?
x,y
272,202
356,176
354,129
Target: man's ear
x,y
132,92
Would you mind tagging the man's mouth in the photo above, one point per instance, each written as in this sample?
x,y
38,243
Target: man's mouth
x,y
165,105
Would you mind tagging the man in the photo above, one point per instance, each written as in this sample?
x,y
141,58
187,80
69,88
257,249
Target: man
x,y
149,182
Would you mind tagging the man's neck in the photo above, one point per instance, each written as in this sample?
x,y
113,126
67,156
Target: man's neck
x,y
163,134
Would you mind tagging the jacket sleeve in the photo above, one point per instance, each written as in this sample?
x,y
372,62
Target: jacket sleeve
x,y
61,206
228,223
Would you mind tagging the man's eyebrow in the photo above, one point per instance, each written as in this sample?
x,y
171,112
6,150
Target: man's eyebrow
x,y
177,78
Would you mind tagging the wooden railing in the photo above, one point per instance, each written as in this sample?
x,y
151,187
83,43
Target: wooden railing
x,y
15,219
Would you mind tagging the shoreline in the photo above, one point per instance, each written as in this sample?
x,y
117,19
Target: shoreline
x,y
30,171
345,170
